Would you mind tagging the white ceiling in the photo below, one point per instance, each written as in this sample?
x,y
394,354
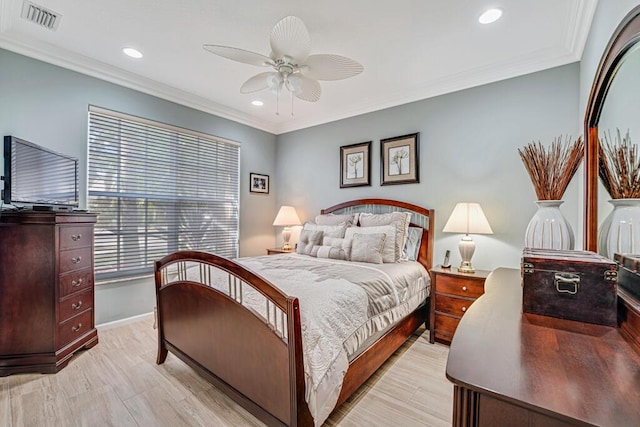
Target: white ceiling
x,y
410,49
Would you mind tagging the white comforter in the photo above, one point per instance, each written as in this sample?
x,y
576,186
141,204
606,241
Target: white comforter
x,y
341,305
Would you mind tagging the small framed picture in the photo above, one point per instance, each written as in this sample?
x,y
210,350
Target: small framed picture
x,y
400,158
355,165
258,183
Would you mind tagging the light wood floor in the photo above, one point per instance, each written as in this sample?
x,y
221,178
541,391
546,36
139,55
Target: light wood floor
x,y
117,383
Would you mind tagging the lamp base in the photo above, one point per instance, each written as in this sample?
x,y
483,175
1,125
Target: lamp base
x,y
286,235
467,247
466,268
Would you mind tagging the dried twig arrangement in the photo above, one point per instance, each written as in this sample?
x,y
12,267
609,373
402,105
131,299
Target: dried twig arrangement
x,y
619,166
551,171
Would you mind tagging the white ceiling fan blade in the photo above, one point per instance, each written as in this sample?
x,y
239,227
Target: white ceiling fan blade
x,y
307,89
240,55
290,37
331,67
256,83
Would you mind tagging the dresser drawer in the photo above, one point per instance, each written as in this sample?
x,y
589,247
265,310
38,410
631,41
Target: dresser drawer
x,y
76,281
460,286
75,259
75,304
75,327
76,237
452,305
446,324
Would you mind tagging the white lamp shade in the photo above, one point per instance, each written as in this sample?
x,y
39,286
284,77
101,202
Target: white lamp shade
x,y
468,218
286,217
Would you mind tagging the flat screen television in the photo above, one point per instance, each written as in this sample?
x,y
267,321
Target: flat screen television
x,y
37,177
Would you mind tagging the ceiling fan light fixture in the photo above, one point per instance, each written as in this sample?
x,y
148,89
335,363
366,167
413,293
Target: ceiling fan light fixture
x,y
275,81
294,84
292,65
132,52
489,16
257,103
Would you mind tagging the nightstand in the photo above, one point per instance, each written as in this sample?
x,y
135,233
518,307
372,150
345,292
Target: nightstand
x,y
273,251
452,293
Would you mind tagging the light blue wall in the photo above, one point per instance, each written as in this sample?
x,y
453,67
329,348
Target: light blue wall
x,y
468,152
48,105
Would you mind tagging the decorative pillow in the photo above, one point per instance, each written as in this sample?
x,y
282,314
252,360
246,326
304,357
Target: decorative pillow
x,y
336,242
368,247
412,247
329,252
400,220
308,239
388,251
328,230
331,219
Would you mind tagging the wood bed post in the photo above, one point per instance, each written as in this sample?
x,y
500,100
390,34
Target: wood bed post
x,y
162,350
300,415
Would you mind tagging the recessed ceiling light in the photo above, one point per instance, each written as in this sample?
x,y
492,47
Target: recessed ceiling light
x,y
489,16
134,53
257,103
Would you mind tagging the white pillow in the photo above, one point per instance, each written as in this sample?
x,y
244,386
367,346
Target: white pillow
x,y
412,247
308,239
400,220
336,242
368,247
329,252
328,230
331,219
388,250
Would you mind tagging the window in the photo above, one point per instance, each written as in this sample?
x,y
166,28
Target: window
x,y
158,189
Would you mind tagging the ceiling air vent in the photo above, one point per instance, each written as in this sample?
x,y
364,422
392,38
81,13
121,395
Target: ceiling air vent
x,y
41,16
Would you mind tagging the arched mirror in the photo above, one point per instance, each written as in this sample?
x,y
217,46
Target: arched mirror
x,y
613,105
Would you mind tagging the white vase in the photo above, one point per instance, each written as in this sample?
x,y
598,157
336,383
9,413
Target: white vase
x,y
620,231
549,229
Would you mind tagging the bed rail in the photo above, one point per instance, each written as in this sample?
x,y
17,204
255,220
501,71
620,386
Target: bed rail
x,y
218,300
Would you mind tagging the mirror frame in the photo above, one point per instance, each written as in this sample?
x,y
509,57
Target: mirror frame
x,y
623,39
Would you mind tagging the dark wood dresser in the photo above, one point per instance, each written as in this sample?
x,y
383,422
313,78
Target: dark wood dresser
x,y
46,289
515,369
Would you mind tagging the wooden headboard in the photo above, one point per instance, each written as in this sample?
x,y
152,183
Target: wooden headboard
x,y
420,217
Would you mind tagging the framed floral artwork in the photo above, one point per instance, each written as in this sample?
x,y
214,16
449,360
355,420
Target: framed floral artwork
x,y
400,159
355,165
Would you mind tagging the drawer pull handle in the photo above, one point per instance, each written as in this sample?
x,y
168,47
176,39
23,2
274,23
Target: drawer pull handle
x,y
79,304
76,283
464,289
76,237
76,259
76,328
464,309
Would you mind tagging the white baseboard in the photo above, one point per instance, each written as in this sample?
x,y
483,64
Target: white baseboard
x,y
121,322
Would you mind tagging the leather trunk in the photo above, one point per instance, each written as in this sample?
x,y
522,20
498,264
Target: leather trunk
x,y
574,285
629,273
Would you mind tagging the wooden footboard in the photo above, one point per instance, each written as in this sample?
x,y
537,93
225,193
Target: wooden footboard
x,y
207,316
253,354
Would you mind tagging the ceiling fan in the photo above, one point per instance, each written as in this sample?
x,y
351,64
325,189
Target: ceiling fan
x,y
294,69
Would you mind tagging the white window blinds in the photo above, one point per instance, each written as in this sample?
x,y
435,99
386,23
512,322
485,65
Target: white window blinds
x,y
158,189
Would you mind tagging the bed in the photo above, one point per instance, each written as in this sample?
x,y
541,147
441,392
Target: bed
x,y
234,326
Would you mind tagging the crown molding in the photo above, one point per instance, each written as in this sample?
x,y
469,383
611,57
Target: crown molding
x,y
53,55
574,39
577,31
525,64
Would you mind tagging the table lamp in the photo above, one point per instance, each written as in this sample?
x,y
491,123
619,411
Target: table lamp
x,y
467,218
286,217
